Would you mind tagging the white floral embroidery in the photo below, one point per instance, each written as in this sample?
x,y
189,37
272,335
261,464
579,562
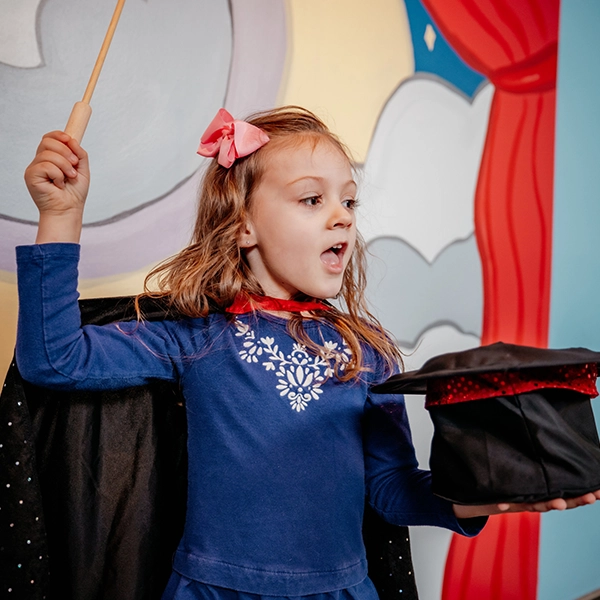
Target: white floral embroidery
x,y
300,375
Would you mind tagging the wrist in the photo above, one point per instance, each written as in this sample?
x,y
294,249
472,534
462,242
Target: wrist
x,y
64,226
462,511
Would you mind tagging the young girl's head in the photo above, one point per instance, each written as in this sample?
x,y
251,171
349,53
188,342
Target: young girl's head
x,y
280,222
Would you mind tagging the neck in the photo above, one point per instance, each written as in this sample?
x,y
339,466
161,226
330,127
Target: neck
x,y
245,303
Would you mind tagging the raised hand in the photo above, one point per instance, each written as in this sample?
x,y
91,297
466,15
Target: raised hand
x,y
58,181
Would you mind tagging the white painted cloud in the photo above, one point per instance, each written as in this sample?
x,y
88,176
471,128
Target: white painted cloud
x,y
422,167
18,40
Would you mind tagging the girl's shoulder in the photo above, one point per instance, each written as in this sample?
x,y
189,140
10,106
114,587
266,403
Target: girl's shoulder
x,y
378,367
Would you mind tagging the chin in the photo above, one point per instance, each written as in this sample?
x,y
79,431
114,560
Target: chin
x,y
325,293
320,288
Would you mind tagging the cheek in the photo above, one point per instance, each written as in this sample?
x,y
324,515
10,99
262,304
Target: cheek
x,y
284,238
352,249
280,250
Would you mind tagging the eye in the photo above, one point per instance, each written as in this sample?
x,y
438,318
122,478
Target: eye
x,y
312,200
350,203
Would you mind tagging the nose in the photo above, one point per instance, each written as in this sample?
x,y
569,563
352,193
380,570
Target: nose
x,y
341,217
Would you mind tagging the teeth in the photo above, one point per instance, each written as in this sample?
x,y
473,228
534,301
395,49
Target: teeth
x,y
337,247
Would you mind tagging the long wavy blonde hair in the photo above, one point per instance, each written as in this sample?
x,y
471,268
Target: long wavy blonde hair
x,y
207,275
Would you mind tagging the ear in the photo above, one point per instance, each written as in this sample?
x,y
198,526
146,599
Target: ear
x,y
247,238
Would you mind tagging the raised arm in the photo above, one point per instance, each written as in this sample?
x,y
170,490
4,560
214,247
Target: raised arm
x,y
53,349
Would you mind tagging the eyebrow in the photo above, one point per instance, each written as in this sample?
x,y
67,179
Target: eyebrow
x,y
319,179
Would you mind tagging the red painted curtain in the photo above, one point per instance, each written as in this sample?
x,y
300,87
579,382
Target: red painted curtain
x,y
513,43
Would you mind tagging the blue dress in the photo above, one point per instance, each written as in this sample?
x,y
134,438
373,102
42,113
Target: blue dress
x,y
281,453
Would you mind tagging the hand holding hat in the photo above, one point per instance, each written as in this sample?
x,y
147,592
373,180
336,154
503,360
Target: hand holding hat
x,y
465,511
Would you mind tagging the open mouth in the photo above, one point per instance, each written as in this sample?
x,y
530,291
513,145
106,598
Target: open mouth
x,y
334,257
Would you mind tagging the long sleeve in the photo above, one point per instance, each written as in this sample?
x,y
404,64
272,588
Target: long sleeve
x,y
54,350
397,489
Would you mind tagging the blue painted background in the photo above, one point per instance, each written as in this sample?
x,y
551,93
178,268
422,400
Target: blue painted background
x,y
570,543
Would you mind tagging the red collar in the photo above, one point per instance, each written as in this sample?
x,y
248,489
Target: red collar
x,y
245,303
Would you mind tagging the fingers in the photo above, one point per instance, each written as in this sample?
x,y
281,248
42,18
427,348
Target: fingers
x,y
59,156
467,511
60,142
582,500
48,171
61,136
556,503
57,159
79,155
513,507
83,164
77,149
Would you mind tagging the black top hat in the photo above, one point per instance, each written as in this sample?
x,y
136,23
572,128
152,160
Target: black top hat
x,y
511,423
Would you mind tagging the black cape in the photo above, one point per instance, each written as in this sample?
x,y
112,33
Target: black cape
x,y
93,489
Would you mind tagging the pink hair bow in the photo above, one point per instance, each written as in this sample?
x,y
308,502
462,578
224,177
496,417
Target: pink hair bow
x,y
230,139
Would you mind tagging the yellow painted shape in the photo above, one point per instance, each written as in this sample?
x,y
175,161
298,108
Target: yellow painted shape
x,y
126,284
8,319
345,58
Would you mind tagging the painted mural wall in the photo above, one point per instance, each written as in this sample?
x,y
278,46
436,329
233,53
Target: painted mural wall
x,y
414,89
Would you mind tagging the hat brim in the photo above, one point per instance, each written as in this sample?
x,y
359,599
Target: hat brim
x,y
498,357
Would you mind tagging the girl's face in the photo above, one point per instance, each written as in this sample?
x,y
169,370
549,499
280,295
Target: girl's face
x,y
302,228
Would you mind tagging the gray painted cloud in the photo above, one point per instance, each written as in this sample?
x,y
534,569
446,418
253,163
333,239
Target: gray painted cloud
x,y
410,295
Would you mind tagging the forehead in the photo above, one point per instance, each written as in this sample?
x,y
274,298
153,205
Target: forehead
x,y
310,156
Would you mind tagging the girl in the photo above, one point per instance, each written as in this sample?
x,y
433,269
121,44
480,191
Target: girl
x,y
284,438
